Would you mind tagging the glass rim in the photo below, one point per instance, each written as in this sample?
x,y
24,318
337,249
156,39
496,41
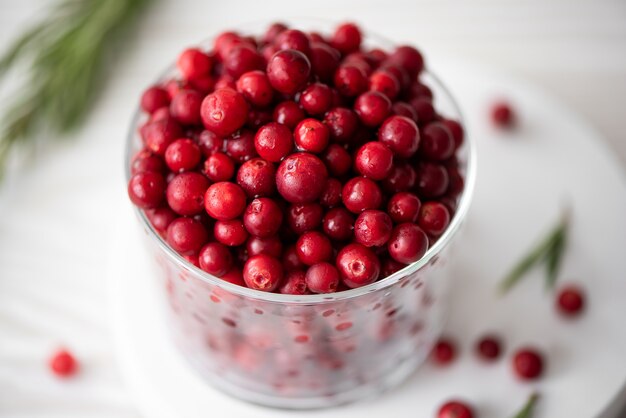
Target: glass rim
x,y
443,241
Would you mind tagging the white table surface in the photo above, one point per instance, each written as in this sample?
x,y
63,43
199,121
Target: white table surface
x,y
55,210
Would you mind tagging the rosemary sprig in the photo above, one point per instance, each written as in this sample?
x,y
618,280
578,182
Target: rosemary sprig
x,y
527,410
549,250
67,52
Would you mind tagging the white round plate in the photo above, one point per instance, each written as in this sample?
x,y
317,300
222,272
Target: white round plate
x,y
525,176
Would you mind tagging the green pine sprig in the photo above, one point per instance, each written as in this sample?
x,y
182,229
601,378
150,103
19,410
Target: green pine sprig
x,y
65,54
529,406
550,251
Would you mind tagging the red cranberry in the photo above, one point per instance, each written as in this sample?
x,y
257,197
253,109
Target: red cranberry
x,y
273,31
372,108
409,58
186,192
295,40
288,113
342,123
372,228
219,167
385,82
291,261
160,218
390,266
262,217
408,243
240,147
401,135
215,259
193,63
224,201
377,55
288,71
159,134
361,193
241,59
420,90
256,177
258,118
570,300
186,235
146,161
360,60
154,98
455,409
304,217
182,155
424,109
502,115
444,351
203,85
488,348
294,283
231,233
404,109
256,88
455,182
400,73
262,272
224,111
374,160
225,82
528,363
316,99
404,207
210,143
432,180
324,61
63,363
338,224
437,142
433,218
337,160
273,141
347,38
314,247
270,245
331,196
357,265
234,276
322,278
311,135
185,107
146,190
350,80
301,178
456,129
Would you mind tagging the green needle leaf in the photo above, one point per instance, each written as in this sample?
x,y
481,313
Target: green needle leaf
x,y
527,410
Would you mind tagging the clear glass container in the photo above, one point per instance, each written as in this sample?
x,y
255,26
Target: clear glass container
x,y
309,351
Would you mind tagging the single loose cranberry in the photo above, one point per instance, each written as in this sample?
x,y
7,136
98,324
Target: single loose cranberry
x,y
437,142
301,178
159,134
338,224
304,217
185,107
455,409
361,193
241,59
528,363
146,190
270,245
193,63
273,31
502,115
433,218
357,265
424,109
219,167
186,235
409,58
293,39
256,88
154,98
294,283
401,135
262,217
456,129
186,192
408,243
488,348
337,160
273,141
314,247
262,272
146,161
331,196
347,38
224,111
240,147
210,143
63,363
231,233
432,180
322,278
444,351
316,99
324,61
288,113
350,80
215,259
160,218
372,108
288,71
182,155
291,261
570,300
256,178
372,228
374,160
404,109
385,82
234,276
404,207
311,135
224,201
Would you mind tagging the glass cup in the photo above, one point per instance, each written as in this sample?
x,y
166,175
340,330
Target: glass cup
x,y
310,351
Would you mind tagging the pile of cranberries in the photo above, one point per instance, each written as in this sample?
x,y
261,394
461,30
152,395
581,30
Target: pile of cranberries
x,y
297,163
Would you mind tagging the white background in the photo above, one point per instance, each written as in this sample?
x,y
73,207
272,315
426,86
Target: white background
x,y
55,212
